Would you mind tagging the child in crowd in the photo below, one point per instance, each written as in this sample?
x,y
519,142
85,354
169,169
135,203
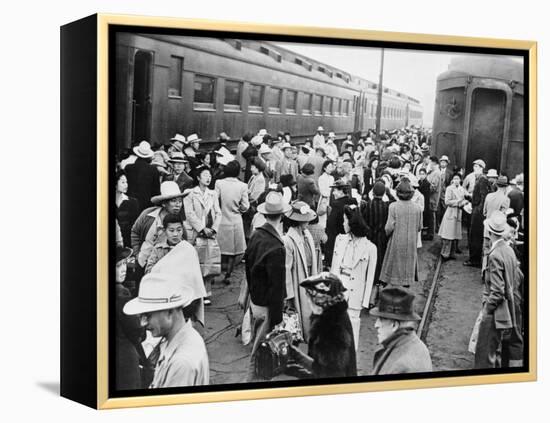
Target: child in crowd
x,y
173,227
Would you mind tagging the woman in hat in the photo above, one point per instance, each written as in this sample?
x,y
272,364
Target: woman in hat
x,y
404,223
354,262
331,351
234,202
203,218
302,259
401,350
127,208
450,229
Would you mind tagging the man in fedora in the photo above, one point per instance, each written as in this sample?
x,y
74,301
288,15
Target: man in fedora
x,y
481,188
178,161
177,143
494,201
401,350
143,178
498,330
265,271
319,138
286,166
165,306
148,227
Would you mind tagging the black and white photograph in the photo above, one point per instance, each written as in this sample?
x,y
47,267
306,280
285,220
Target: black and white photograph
x,y
293,211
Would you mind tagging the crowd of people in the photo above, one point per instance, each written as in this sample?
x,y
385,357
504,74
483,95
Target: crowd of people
x,y
324,231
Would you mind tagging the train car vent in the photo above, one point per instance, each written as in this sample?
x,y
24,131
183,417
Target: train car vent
x,y
264,50
238,44
298,61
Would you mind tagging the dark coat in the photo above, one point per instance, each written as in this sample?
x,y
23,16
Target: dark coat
x,y
424,189
475,240
308,191
369,178
126,215
265,271
375,214
183,180
331,343
335,223
403,352
143,182
516,201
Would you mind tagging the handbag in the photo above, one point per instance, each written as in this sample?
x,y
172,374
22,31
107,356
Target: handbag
x,y
210,256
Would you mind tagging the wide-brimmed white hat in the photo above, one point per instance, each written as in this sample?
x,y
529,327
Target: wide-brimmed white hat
x,y
262,132
144,150
178,137
274,204
285,145
320,129
492,173
168,191
177,157
264,149
496,223
158,291
301,212
444,158
193,138
257,140
331,135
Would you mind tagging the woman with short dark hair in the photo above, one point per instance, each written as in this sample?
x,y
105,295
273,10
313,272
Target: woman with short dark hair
x,y
127,208
354,262
233,196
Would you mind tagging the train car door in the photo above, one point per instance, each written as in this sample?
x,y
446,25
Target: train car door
x,y
141,97
486,127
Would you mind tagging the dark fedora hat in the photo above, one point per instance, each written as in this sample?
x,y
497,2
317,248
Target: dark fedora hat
x,y
502,181
122,253
395,303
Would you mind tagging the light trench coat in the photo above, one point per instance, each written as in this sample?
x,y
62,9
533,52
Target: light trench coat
x,y
451,224
360,280
297,271
197,207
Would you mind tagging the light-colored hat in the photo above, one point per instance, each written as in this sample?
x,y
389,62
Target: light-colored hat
x,y
444,158
178,137
177,157
320,129
262,132
369,141
285,145
193,138
496,223
492,173
168,191
331,135
143,150
301,212
158,292
274,204
224,157
480,163
257,140
264,149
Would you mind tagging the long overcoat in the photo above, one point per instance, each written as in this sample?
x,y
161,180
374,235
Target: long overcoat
x,y
451,224
297,271
375,214
400,261
233,196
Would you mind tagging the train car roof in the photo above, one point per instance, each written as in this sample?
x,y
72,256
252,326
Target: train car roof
x,y
498,67
272,55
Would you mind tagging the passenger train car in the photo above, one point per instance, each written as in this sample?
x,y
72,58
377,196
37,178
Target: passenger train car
x,y
169,84
479,113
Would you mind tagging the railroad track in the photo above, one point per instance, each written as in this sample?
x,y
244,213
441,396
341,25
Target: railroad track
x,y
424,322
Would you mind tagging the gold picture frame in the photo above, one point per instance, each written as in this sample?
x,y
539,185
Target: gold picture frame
x,y
101,266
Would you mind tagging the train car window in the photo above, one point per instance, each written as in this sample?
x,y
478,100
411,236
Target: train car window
x,y
256,98
327,105
317,101
306,103
274,100
233,91
204,92
336,105
175,77
291,101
